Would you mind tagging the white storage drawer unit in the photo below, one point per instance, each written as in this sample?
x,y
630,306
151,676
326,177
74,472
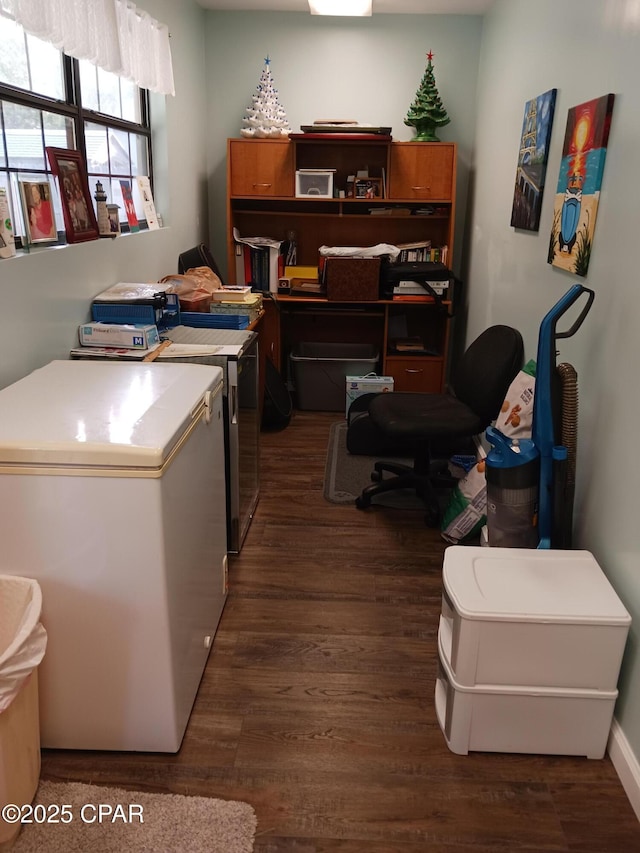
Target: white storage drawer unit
x,y
530,645
545,721
524,617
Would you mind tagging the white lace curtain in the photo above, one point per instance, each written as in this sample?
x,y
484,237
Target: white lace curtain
x,y
115,35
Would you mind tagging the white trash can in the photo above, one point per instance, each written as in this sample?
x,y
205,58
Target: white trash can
x,y
23,641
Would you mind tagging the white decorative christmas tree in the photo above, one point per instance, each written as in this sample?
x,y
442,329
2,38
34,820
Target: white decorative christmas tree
x,y
266,116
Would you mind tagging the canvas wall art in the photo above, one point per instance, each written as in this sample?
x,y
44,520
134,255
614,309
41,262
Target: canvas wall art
x,y
578,191
532,161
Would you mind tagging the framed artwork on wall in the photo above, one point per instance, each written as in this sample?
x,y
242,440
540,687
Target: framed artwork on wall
x,y
39,218
578,191
532,161
77,207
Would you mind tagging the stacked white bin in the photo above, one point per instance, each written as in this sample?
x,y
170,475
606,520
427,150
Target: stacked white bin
x,y
530,645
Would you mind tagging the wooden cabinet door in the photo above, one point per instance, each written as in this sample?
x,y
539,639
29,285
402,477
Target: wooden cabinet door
x,y
261,167
422,171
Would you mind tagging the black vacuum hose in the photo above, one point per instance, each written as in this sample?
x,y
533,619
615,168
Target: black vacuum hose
x,y
569,439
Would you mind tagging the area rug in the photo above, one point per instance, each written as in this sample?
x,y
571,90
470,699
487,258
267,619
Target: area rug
x,y
346,475
112,820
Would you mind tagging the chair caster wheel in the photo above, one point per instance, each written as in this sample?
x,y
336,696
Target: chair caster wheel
x,y
376,476
432,518
361,503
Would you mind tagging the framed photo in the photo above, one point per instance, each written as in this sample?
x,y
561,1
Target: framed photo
x,y
113,214
77,207
368,188
39,218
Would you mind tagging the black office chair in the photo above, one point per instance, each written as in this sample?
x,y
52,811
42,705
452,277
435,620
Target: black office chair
x,y
199,256
480,384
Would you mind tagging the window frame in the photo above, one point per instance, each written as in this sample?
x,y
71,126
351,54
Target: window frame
x,y
71,108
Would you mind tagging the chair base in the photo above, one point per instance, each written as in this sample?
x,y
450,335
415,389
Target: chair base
x,y
407,477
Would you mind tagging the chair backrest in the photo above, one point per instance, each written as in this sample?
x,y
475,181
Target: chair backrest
x,y
487,368
199,256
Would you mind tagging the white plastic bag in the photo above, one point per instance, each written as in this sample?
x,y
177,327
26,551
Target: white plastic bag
x,y
23,640
466,511
376,251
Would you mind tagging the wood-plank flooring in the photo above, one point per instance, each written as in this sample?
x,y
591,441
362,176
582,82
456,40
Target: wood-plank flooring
x,y
317,702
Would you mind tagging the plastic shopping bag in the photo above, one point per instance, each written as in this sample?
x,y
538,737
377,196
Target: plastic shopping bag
x,y
23,640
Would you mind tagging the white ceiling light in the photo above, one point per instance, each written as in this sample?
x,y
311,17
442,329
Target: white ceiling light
x,y
351,8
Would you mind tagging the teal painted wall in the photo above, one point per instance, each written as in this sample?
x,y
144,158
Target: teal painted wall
x,y
47,294
366,69
584,50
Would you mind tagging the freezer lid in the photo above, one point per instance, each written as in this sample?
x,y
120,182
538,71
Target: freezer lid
x,y
95,413
525,585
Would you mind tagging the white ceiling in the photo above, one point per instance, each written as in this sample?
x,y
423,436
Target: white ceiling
x,y
390,7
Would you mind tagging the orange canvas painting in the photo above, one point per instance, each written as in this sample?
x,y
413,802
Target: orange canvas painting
x,y
578,191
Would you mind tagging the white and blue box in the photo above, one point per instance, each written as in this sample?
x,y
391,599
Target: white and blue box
x,y
369,384
121,335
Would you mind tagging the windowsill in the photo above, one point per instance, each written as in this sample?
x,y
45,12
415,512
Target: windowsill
x,y
41,249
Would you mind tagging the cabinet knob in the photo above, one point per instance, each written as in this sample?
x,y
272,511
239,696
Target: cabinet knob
x,y
413,370
262,185
420,189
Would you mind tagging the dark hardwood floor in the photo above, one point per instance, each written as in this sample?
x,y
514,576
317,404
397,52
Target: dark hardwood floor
x,y
317,702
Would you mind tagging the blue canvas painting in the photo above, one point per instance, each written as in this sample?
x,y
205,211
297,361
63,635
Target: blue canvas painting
x,y
532,161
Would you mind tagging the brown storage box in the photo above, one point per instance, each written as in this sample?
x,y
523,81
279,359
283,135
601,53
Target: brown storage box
x,y
352,279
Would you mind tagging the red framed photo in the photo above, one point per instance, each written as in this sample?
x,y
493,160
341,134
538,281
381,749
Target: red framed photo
x,y
79,218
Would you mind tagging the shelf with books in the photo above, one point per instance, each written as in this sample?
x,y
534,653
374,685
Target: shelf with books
x,y
417,205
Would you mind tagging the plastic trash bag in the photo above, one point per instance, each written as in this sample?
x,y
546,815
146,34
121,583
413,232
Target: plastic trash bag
x,y
23,639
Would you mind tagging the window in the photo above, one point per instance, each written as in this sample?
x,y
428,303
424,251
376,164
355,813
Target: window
x,y
47,98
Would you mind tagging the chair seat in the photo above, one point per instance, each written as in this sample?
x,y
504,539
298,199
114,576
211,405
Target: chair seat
x,y
423,416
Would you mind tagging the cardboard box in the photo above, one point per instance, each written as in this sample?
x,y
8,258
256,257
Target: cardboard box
x,y
352,279
118,335
372,384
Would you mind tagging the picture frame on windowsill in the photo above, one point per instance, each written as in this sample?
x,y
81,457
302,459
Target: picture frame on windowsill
x,y
80,221
37,205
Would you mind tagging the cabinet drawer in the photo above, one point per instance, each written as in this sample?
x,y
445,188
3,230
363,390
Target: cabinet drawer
x,y
261,167
415,374
422,170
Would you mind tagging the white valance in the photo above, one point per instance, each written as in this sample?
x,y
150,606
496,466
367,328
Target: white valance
x,y
115,35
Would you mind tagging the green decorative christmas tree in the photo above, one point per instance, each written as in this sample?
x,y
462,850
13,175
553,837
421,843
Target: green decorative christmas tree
x,y
426,113
266,116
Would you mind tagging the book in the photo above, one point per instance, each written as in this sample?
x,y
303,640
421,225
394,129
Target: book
x,y
129,206
149,208
411,297
7,243
266,262
413,344
415,252
232,293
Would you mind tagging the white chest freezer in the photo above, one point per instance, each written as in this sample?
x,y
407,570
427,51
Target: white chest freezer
x,y
112,487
